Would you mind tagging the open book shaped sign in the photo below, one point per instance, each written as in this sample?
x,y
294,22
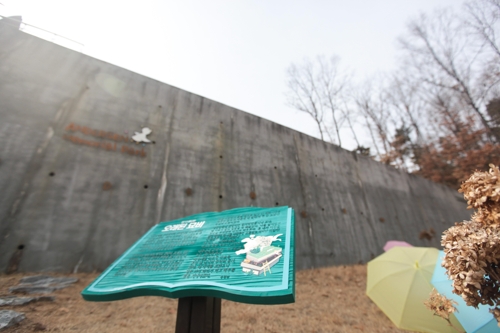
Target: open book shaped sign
x,y
244,255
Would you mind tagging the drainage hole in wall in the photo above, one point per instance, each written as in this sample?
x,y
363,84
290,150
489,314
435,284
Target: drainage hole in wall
x,y
220,196
322,209
51,174
153,142
145,186
220,156
277,204
275,167
20,246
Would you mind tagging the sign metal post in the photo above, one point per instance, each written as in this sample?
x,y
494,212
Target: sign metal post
x,y
198,315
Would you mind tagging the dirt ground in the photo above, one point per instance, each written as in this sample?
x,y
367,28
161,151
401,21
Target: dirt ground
x,y
327,300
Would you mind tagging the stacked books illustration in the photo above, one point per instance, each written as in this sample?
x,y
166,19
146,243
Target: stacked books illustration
x,y
261,261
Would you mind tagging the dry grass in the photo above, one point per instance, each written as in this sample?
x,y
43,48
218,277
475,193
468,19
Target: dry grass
x,y
327,300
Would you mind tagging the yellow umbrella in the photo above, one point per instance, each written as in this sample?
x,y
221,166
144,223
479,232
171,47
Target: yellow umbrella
x,y
399,282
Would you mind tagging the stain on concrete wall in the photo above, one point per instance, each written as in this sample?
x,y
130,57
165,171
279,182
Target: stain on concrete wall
x,y
77,192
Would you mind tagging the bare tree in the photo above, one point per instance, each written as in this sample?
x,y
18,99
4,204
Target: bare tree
x,y
483,19
303,94
373,107
404,97
317,88
440,104
333,83
350,117
443,55
448,115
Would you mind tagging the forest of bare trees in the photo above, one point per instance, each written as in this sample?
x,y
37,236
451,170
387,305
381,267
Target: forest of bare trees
x,y
437,115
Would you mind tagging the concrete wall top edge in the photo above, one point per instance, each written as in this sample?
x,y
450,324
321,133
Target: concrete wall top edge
x,y
83,56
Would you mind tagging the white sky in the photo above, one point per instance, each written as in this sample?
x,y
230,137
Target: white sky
x,y
234,52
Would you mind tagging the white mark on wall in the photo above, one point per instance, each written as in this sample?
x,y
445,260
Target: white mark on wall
x,y
45,143
163,186
18,201
141,137
75,270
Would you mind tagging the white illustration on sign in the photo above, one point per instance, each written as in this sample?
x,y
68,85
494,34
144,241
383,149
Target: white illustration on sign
x,y
260,254
141,137
253,242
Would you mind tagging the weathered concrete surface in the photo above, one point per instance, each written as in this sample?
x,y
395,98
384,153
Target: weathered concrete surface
x,y
68,206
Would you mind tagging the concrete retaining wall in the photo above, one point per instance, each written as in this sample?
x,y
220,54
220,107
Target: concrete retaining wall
x,y
67,204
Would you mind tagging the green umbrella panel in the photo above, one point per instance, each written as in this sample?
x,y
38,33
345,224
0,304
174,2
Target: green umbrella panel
x,y
399,282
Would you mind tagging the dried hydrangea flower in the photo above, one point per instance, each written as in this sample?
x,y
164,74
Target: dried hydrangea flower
x,y
482,188
471,257
441,306
472,248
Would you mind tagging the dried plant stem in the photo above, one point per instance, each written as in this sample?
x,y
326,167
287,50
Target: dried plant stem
x,y
454,327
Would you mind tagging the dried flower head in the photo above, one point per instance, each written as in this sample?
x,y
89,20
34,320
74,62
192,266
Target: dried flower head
x,y
482,188
490,214
472,248
440,305
472,254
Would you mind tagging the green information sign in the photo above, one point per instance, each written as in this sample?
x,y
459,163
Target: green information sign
x,y
244,255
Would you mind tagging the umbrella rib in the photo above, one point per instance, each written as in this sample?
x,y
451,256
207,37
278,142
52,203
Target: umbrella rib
x,y
406,300
393,273
412,259
419,259
412,279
